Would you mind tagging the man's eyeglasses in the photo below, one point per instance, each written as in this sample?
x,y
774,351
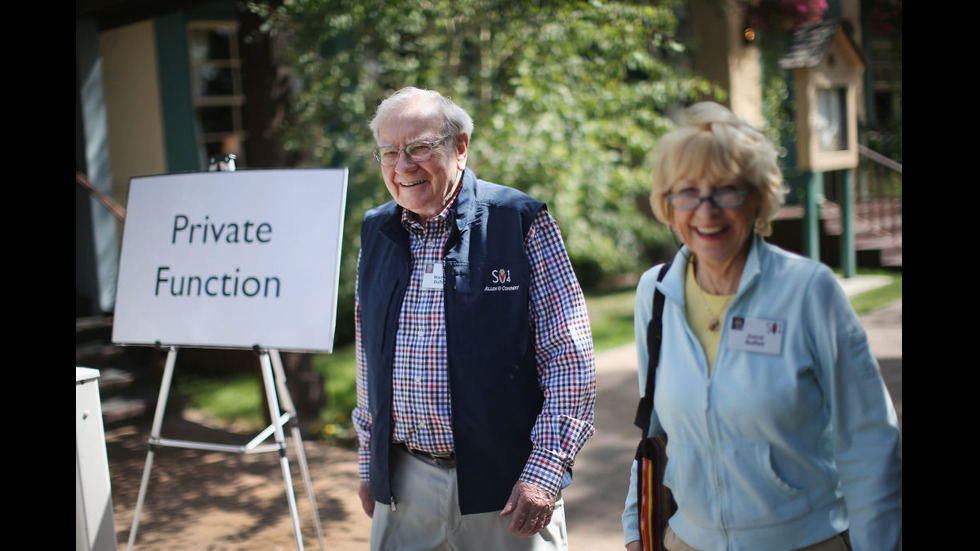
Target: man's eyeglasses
x,y
417,152
722,198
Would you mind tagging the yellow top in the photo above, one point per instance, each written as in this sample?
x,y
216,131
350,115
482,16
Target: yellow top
x,y
699,319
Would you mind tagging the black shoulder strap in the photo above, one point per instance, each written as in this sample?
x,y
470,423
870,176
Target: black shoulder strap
x,y
645,409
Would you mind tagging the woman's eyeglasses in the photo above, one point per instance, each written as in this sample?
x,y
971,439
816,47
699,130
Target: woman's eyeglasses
x,y
722,198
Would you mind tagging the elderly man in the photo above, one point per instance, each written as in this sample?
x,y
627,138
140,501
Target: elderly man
x,y
475,366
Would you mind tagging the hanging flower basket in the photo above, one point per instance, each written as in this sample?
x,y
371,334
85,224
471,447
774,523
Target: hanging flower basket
x,y
781,15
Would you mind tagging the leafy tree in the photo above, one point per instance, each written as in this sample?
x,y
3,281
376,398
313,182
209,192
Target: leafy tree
x,y
568,98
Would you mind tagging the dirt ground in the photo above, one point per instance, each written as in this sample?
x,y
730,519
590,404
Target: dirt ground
x,y
216,501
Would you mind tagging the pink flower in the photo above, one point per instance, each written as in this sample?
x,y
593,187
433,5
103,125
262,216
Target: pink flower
x,y
785,14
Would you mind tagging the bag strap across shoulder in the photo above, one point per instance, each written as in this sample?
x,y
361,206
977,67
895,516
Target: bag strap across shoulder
x,y
645,409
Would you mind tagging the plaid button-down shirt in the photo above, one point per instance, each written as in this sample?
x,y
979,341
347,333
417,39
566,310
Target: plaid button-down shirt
x,y
422,412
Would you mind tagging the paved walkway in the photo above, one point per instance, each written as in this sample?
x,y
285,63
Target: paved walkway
x,y
594,502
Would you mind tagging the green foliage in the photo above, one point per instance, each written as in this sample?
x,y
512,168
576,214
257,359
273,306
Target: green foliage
x,y
885,139
778,108
587,103
568,98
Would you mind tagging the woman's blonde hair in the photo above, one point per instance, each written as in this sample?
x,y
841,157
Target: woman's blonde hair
x,y
713,143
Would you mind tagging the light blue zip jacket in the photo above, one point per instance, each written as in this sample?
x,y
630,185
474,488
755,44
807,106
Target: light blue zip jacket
x,y
773,452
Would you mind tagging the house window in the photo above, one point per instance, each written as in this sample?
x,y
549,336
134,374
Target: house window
x,y
216,79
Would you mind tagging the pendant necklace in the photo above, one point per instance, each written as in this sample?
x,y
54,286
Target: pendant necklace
x,y
714,323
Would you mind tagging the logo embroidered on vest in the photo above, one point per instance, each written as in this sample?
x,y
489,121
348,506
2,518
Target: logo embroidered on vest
x,y
501,277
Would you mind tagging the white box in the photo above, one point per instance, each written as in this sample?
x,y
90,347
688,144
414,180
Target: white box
x,y
94,526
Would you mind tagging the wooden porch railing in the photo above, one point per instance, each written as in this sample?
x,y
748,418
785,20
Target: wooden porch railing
x,y
877,193
108,202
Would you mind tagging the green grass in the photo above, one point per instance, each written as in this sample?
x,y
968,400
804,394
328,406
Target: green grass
x,y
881,297
339,372
231,399
238,398
611,317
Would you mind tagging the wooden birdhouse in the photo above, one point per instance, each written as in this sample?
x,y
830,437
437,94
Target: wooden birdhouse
x,y
827,70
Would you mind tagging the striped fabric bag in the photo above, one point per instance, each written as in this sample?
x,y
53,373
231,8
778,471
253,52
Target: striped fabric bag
x,y
655,502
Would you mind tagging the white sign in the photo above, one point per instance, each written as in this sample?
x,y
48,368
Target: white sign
x,y
232,259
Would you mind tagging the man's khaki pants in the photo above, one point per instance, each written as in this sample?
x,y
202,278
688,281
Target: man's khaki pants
x,y
426,516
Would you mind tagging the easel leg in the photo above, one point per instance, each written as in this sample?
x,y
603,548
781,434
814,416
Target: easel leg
x,y
275,414
168,372
287,403
270,363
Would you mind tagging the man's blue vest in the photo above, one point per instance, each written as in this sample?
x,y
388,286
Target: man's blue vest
x,y
492,370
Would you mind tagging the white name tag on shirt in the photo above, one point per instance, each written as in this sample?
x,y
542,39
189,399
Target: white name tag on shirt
x,y
432,278
756,335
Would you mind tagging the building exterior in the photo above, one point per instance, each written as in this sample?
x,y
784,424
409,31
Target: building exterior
x,y
726,49
162,87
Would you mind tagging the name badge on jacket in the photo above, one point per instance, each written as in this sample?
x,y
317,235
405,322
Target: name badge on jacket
x,y
756,335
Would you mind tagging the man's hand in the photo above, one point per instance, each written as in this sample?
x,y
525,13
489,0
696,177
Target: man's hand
x,y
634,545
532,508
367,500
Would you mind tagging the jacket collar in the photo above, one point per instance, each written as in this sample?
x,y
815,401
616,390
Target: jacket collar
x,y
462,213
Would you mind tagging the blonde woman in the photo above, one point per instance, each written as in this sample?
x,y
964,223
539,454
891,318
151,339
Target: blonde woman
x,y
781,434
